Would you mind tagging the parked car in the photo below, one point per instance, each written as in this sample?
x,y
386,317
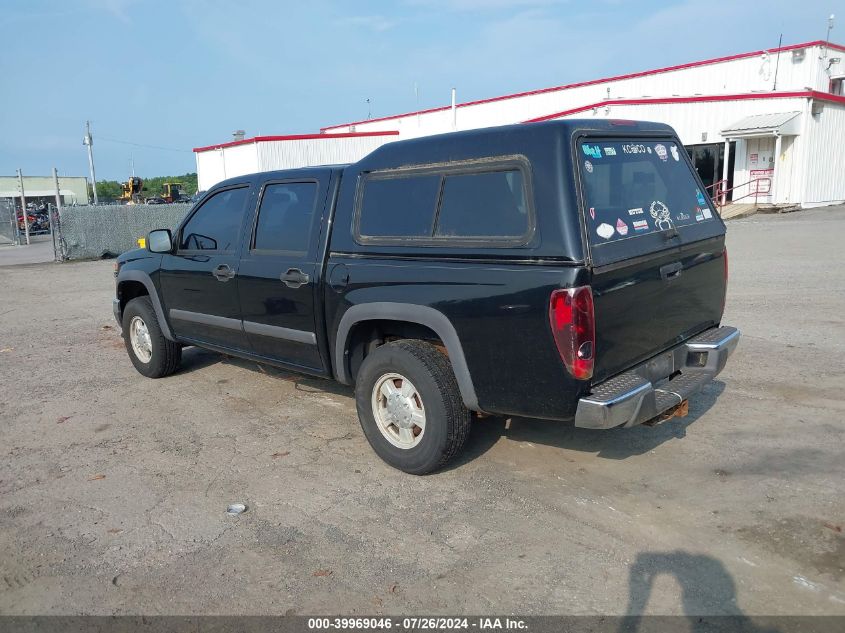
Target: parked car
x,y
573,271
155,200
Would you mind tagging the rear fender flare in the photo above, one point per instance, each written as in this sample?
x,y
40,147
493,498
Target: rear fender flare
x,y
423,315
144,278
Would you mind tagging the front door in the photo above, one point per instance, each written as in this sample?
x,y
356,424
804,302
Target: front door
x,y
199,281
278,273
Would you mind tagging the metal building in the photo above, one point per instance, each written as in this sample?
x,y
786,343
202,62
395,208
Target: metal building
x,y
267,153
765,126
73,189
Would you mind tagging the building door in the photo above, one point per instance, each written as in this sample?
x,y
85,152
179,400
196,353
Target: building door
x,y
761,163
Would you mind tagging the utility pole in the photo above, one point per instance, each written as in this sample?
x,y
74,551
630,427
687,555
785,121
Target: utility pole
x,y
56,256
23,207
89,142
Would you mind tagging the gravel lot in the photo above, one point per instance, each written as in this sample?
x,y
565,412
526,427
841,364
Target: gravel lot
x,y
113,488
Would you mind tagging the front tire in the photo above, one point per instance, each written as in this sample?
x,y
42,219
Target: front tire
x,y
410,406
150,352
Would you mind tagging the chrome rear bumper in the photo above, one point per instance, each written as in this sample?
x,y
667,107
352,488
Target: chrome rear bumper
x,y
643,393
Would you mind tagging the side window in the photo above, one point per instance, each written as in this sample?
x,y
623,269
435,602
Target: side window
x,y
285,217
401,206
486,204
217,223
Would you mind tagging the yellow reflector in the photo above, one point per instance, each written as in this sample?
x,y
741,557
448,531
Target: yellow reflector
x,y
142,242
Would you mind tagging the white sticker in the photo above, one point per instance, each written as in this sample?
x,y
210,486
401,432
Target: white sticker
x,y
640,225
675,154
649,150
660,213
707,214
661,152
604,230
588,166
593,212
682,216
609,151
637,211
621,227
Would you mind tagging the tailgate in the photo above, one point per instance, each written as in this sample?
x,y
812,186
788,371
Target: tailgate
x,y
656,249
647,307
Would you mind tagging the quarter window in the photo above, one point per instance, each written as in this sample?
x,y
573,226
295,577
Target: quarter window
x,y
285,217
217,223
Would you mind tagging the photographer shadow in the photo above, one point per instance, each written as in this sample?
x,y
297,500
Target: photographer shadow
x,y
708,595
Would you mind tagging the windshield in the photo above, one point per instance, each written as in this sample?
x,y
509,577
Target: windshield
x,y
639,187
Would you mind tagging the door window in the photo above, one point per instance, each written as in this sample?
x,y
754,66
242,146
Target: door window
x,y
285,218
217,223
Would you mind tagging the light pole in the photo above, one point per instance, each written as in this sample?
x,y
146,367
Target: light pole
x,y
89,142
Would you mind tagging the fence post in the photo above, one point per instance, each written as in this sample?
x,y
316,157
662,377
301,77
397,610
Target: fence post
x,y
56,256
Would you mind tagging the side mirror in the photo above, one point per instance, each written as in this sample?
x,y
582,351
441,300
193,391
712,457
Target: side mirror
x,y
160,241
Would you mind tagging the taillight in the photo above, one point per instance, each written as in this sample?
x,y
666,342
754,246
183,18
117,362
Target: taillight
x,y
573,327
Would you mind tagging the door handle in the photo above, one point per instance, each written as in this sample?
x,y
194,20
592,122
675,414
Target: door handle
x,y
670,271
294,278
223,273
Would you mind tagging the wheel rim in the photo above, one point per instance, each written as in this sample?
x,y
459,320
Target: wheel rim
x,y
398,411
139,337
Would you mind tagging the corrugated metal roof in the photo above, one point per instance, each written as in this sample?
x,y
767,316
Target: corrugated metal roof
x,y
761,123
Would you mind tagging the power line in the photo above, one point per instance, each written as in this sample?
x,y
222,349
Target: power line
x,y
169,149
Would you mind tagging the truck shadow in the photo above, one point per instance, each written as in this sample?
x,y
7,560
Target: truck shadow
x,y
196,359
608,444
708,595
486,432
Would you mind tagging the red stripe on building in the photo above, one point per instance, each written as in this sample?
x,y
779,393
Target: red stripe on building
x,y
810,94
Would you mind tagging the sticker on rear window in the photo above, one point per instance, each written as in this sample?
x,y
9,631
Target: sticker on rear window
x,y
604,230
675,154
593,151
661,152
621,227
588,166
661,215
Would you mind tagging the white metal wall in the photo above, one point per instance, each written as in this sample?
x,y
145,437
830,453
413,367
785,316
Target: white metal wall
x,y
824,177
310,152
215,165
752,74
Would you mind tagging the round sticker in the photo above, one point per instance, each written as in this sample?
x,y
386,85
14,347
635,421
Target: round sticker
x,y
604,230
588,166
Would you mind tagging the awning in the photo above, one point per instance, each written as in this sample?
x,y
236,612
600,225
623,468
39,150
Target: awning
x,y
779,124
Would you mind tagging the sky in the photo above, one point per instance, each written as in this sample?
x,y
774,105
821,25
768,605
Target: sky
x,y
157,78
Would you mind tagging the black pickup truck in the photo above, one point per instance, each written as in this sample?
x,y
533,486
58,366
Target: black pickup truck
x,y
571,270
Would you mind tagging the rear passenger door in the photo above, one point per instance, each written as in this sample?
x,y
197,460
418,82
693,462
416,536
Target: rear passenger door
x,y
279,272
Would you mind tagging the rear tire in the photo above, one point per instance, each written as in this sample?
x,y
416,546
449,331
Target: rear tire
x,y
152,354
410,406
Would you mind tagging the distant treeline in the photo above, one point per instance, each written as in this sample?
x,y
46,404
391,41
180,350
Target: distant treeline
x,y
111,189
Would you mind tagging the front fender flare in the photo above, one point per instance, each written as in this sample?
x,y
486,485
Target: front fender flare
x,y
144,278
423,315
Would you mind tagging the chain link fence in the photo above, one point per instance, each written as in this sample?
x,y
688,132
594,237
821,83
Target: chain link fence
x,y
91,232
8,223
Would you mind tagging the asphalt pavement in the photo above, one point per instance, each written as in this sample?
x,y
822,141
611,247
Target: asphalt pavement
x,y
113,487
